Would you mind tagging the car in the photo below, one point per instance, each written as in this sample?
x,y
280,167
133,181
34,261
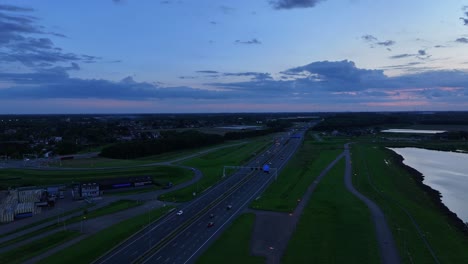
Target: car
x,y
210,224
211,215
180,212
229,207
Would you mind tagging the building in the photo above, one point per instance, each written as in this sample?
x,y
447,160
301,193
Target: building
x,y
89,190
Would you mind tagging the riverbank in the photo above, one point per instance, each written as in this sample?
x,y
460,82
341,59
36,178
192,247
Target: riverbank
x,y
435,195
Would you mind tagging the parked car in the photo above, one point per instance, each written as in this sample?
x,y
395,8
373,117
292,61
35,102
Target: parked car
x,y
210,224
229,207
180,212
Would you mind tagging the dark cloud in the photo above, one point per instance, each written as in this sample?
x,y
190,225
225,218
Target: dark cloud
x,y
24,41
465,13
12,8
439,46
290,4
422,52
254,75
369,38
327,82
213,22
226,9
344,73
207,72
249,42
56,83
386,43
372,40
462,40
404,55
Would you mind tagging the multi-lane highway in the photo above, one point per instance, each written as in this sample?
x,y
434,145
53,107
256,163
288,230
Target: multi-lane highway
x,y
182,238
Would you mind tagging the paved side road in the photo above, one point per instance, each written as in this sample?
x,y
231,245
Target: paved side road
x,y
388,251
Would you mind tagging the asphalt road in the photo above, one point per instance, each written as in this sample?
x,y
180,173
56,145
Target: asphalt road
x,y
388,251
182,238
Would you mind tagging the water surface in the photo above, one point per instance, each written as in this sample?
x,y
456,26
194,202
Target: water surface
x,y
446,172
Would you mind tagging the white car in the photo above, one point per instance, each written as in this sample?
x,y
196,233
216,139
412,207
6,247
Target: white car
x,y
180,212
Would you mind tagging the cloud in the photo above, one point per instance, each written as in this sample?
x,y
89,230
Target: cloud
x,y
254,75
372,40
421,54
465,13
12,8
439,46
226,9
369,38
252,41
334,84
290,4
24,41
386,43
207,72
56,83
462,40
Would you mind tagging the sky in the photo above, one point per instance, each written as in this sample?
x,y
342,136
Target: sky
x,y
215,56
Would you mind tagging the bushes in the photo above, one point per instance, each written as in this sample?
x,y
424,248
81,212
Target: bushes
x,y
170,141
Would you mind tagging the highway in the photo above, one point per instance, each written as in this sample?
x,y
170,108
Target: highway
x,y
182,238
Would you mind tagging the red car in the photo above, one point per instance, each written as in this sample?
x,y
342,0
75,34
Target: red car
x,y
210,224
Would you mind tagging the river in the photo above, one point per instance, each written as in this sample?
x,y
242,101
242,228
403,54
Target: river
x,y
446,172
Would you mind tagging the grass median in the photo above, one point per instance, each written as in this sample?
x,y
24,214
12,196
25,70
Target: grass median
x,y
396,191
234,244
211,165
291,184
335,226
92,247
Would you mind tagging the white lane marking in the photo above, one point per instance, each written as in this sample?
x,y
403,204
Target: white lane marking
x,y
241,207
159,257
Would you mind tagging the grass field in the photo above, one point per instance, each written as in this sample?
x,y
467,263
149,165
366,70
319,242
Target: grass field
x,y
92,247
25,252
211,165
311,158
397,190
108,209
101,162
46,220
39,177
234,244
335,226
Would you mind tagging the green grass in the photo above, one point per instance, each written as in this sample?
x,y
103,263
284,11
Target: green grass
x,y
211,165
311,158
108,209
25,252
234,244
45,220
39,177
335,226
101,162
399,190
92,247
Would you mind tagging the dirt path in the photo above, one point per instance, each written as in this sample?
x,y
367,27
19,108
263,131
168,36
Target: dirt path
x,y
388,251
